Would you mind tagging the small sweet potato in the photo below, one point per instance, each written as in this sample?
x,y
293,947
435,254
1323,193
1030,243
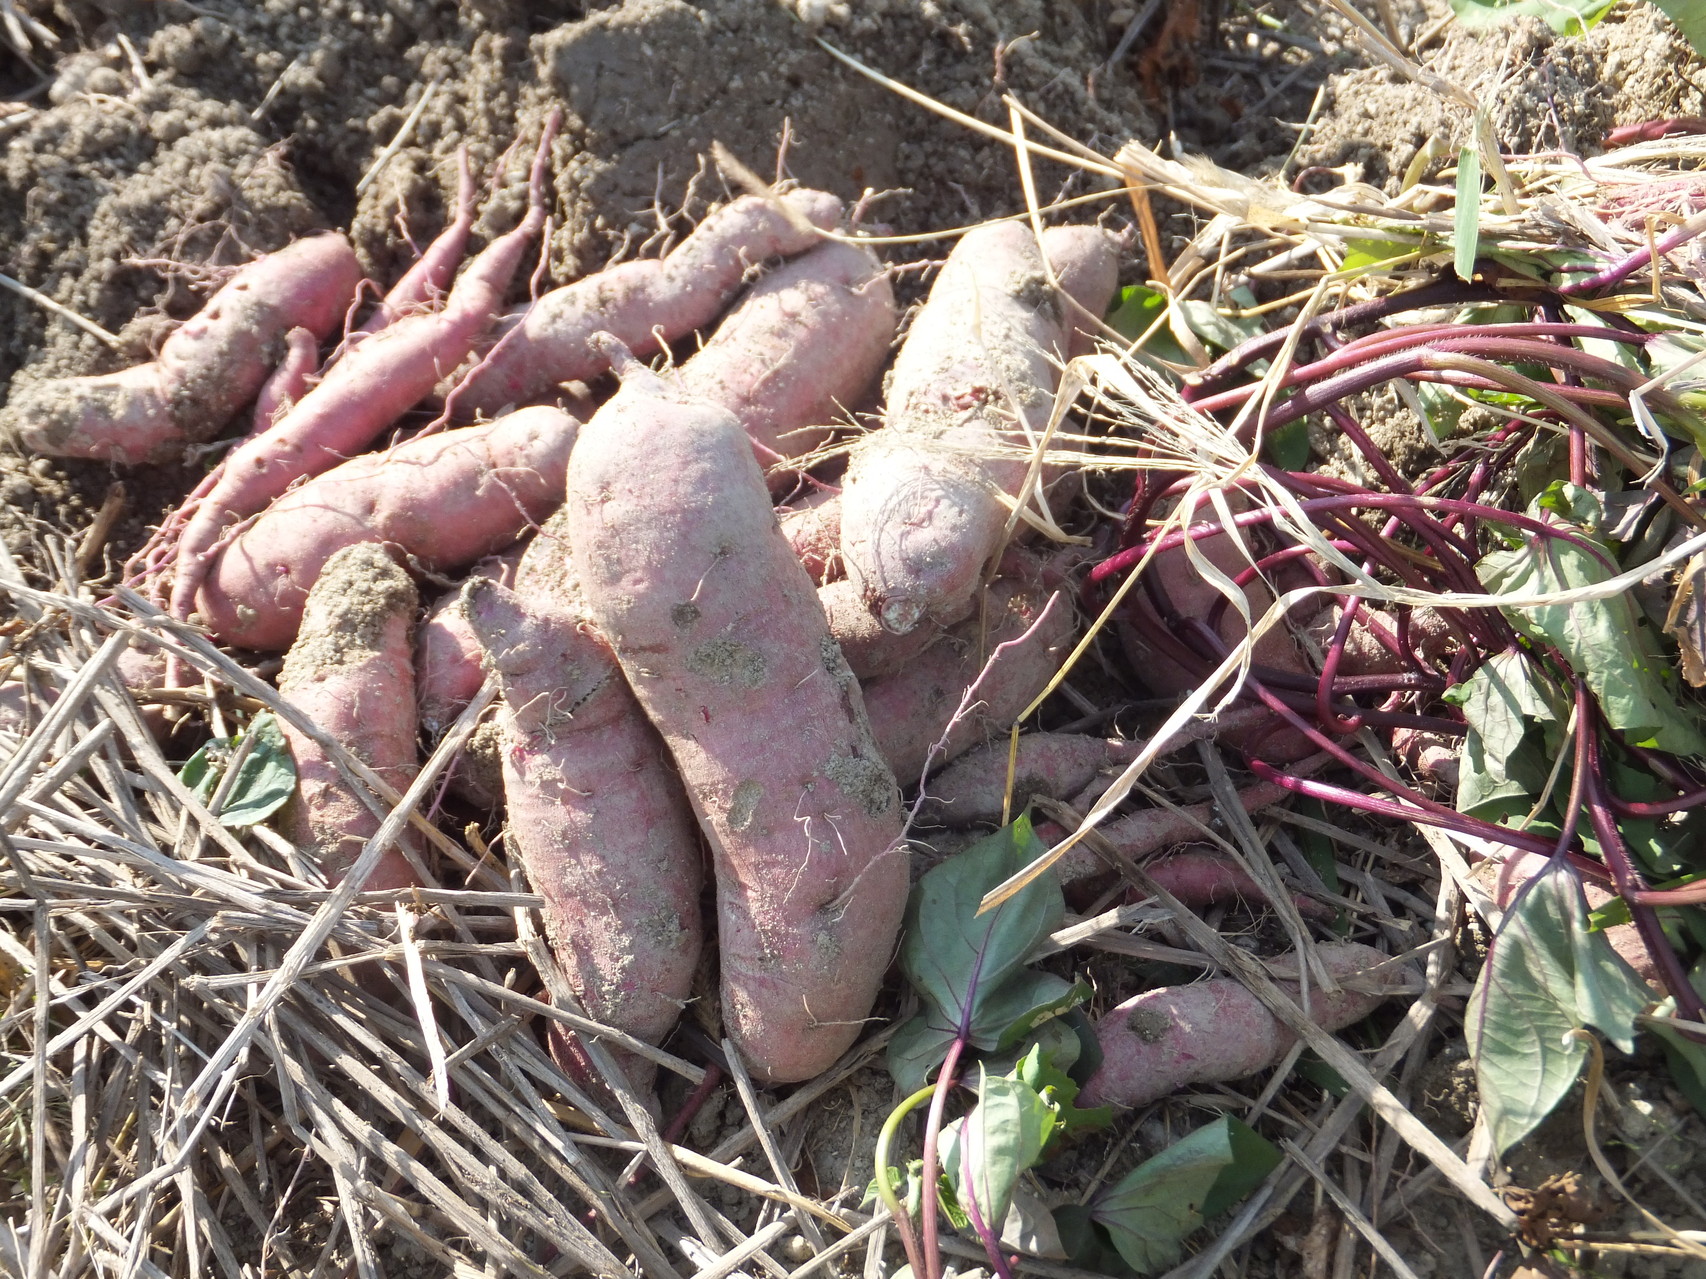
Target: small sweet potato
x,y
449,659
1503,879
1058,765
720,633
1213,1031
911,709
643,303
363,393
1086,262
596,814
215,363
444,500
800,351
1150,830
351,671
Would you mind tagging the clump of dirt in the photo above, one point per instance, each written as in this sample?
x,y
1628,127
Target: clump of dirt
x,y
1545,92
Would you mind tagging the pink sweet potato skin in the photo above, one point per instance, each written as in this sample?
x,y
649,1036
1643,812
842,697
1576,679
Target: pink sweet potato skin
x,y
216,362
1086,262
351,671
720,633
1210,1032
922,512
870,650
1150,830
596,814
910,709
445,500
813,529
972,788
449,659
800,352
642,302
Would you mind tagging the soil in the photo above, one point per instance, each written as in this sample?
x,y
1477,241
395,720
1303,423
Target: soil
x,y
162,141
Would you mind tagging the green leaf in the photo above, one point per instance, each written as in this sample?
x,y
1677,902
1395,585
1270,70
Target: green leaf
x,y
1466,221
1151,1210
1039,1070
1546,974
1566,17
265,778
1690,19
1215,327
1139,309
1603,640
1288,447
1002,1136
969,968
1504,764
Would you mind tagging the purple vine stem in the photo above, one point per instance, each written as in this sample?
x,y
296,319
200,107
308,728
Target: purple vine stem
x,y
1440,293
1518,343
1626,877
1626,267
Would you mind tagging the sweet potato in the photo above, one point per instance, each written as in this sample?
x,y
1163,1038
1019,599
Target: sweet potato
x,y
1086,262
444,500
800,351
1213,1031
813,529
449,659
1150,830
351,671
720,633
926,499
870,650
359,397
425,281
597,816
643,303
911,709
1058,765
209,368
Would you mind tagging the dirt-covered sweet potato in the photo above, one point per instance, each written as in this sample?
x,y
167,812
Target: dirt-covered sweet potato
x,y
1213,1031
596,814
444,501
800,352
1059,765
214,364
911,709
644,303
926,499
351,671
720,633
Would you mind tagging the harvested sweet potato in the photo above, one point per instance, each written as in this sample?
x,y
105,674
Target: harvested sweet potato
x,y
351,671
926,499
720,633
643,303
813,529
870,650
213,365
1086,262
1504,879
1059,765
362,394
1213,1031
444,500
800,352
596,814
911,709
